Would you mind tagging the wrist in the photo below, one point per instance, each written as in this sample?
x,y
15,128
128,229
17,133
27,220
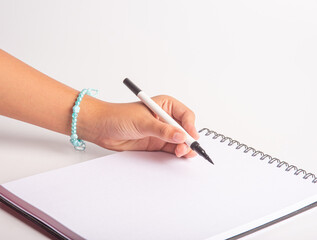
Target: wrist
x,y
89,118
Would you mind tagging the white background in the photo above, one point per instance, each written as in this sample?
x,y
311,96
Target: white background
x,y
246,68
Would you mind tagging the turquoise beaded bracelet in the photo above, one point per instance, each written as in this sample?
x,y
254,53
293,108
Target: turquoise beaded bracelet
x,y
79,144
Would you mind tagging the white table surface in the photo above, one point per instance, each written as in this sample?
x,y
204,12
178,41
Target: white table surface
x,y
247,69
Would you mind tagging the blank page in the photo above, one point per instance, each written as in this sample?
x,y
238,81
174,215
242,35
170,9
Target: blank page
x,y
154,195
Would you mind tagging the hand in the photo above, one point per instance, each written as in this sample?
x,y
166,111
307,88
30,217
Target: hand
x,y
132,126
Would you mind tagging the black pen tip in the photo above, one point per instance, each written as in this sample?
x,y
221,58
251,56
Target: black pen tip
x,y
208,159
198,149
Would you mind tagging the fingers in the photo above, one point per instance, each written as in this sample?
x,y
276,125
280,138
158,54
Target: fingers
x,y
181,113
173,136
188,123
190,154
180,150
165,132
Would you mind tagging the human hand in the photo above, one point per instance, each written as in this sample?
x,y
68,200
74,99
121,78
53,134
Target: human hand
x,y
129,126
132,126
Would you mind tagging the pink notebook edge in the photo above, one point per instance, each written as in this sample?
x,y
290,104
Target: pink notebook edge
x,y
36,215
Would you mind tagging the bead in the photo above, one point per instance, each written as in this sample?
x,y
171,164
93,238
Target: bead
x,y
74,136
76,109
81,147
78,143
92,92
75,143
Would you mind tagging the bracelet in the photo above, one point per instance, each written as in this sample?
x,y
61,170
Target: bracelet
x,y
79,144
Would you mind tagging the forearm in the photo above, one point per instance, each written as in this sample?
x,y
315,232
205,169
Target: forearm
x,y
30,96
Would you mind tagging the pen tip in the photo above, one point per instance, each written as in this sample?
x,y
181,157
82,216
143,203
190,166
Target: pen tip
x,y
209,159
197,148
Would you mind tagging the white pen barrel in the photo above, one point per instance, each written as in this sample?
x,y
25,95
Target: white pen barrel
x,y
160,112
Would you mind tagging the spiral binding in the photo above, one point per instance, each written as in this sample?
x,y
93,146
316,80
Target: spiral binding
x,y
264,156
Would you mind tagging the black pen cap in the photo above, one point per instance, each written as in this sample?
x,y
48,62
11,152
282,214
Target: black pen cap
x,y
131,86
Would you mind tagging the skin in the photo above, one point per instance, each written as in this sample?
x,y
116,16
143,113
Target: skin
x,y
30,96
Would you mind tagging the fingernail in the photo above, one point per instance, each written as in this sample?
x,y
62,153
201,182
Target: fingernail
x,y
180,152
178,137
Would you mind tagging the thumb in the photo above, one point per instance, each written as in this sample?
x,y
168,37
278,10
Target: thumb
x,y
167,133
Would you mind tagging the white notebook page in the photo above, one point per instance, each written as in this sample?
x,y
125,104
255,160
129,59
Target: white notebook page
x,y
146,195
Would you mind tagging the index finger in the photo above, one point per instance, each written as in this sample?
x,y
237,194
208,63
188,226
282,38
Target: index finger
x,y
185,116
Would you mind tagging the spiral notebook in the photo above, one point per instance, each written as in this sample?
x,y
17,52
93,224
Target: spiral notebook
x,y
147,195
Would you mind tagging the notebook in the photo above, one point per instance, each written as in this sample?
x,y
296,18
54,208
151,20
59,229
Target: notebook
x,y
154,195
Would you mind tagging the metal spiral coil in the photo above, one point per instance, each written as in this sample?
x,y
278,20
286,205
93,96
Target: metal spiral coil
x,y
271,160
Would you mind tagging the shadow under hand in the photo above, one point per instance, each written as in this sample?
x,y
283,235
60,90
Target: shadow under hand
x,y
49,143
